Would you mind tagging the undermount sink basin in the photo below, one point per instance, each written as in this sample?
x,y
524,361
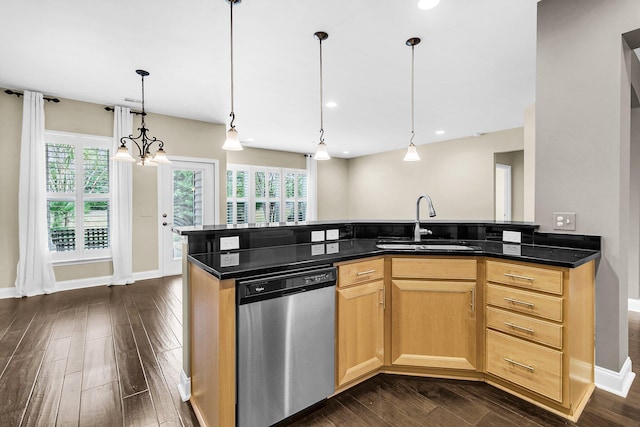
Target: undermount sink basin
x,y
424,247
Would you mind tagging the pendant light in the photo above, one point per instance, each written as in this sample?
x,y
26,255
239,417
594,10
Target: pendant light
x,y
232,143
142,141
321,152
412,152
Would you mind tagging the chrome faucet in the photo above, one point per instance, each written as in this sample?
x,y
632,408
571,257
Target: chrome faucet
x,y
417,231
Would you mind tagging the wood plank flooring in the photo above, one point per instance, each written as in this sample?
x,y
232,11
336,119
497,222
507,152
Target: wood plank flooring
x,y
394,400
111,356
104,356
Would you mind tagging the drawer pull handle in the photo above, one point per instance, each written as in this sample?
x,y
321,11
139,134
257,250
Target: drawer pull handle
x,y
522,365
362,273
515,301
522,328
515,276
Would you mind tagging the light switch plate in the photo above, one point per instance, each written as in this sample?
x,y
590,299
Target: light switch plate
x,y
564,221
512,236
229,243
317,236
333,234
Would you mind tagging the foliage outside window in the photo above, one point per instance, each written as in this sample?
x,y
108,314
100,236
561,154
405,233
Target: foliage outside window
x,y
265,195
78,195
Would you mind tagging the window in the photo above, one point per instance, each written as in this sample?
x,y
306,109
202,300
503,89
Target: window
x,y
264,195
78,195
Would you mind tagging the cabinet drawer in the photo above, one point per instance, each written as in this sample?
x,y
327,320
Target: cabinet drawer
x,y
524,326
528,365
362,271
436,268
525,302
524,276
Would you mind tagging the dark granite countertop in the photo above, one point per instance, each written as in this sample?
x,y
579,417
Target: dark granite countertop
x,y
251,262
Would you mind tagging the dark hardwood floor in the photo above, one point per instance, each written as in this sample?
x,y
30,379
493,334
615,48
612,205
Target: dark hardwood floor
x,y
393,400
104,356
110,356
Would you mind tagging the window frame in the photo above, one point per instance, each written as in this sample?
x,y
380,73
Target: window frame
x,y
252,199
79,197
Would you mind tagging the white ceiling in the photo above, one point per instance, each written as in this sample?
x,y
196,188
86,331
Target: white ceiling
x,y
475,67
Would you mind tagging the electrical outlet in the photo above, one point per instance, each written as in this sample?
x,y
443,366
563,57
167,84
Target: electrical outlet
x,y
317,250
511,236
229,243
564,221
317,236
229,260
333,234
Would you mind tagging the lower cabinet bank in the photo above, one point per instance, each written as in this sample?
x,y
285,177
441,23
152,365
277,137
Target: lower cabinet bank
x,y
525,328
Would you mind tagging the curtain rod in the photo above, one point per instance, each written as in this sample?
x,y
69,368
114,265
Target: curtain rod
x,y
19,94
137,113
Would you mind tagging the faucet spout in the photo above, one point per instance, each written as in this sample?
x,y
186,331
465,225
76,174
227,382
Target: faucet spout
x,y
418,232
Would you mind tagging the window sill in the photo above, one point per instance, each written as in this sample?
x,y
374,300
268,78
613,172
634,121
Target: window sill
x,y
63,262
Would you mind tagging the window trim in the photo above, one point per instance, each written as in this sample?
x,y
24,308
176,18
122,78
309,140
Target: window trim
x,y
251,199
81,255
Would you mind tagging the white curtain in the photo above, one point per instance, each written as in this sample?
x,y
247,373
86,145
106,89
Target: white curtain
x,y
312,188
121,203
34,272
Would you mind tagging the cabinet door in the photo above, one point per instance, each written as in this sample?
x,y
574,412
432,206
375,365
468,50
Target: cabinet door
x,y
433,324
360,330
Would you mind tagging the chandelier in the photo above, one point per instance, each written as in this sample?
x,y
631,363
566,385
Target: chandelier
x,y
142,141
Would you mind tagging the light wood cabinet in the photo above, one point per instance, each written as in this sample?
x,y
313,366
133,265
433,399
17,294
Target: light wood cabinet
x,y
540,333
360,320
434,313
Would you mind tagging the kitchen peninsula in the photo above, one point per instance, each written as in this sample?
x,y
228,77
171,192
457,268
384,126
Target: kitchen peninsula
x,y
463,304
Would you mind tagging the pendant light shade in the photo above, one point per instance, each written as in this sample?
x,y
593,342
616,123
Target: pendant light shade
x,y
232,143
412,154
122,155
321,151
412,151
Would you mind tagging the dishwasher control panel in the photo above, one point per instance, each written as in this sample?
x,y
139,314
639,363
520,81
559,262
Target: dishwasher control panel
x,y
273,286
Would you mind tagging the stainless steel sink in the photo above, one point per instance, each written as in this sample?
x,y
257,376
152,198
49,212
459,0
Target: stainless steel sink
x,y
424,247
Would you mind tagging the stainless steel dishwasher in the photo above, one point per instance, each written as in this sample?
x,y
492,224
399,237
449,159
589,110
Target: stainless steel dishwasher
x,y
285,340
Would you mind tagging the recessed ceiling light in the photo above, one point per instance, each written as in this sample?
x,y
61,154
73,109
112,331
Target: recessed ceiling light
x,y
250,140
428,4
345,152
331,104
439,132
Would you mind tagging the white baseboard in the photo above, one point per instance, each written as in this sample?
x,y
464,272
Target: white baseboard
x,y
614,382
10,292
89,282
185,386
634,304
144,275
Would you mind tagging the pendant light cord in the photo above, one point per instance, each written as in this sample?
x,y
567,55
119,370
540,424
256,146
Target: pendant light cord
x,y
233,114
143,113
412,107
321,99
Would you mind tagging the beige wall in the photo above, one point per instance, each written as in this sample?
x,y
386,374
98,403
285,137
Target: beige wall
x,y
333,189
269,158
457,174
10,130
529,185
583,143
186,138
